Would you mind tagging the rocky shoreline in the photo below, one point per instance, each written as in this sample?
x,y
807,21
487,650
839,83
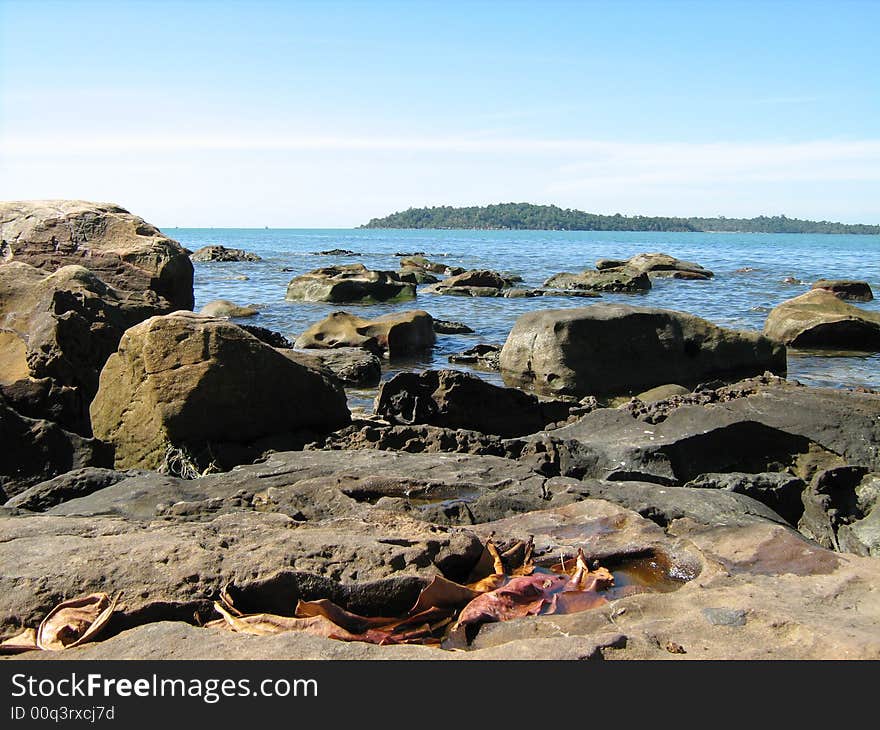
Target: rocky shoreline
x,y
646,484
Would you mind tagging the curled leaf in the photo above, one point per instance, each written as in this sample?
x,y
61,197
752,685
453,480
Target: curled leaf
x,y
25,641
75,622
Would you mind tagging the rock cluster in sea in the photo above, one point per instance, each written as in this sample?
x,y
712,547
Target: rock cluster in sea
x,y
189,462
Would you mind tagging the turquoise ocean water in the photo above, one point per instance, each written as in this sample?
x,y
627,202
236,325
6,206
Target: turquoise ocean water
x,y
750,273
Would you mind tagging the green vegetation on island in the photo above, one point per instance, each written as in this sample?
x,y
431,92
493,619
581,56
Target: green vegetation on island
x,y
525,216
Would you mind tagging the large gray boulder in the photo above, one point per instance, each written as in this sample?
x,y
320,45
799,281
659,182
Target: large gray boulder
x,y
353,283
123,250
194,383
819,319
621,349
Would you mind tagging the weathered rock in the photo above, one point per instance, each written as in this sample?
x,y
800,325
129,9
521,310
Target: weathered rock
x,y
71,485
859,291
779,491
611,444
482,355
61,326
754,591
862,536
662,392
820,320
225,308
620,349
659,265
123,250
843,422
474,283
623,280
349,284
455,399
447,327
420,262
221,253
352,365
842,500
36,450
416,276
172,570
415,439
311,485
186,381
270,337
336,252
393,334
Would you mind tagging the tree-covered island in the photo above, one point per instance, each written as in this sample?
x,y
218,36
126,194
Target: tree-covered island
x,y
526,216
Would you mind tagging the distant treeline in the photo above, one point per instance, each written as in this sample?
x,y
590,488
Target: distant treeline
x,y
525,216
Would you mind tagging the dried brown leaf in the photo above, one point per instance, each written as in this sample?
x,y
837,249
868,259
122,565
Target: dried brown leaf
x,y
75,622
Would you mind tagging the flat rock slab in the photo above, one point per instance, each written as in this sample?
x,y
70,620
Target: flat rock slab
x,y
762,593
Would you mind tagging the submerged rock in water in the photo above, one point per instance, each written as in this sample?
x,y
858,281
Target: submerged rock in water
x,y
482,356
123,250
615,349
659,265
349,284
225,308
448,327
185,381
393,334
819,319
221,253
609,280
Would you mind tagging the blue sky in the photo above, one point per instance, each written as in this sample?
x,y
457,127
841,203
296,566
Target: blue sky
x,y
326,114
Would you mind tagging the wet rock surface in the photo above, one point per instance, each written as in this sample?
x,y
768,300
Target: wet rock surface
x,y
821,320
351,283
394,334
221,253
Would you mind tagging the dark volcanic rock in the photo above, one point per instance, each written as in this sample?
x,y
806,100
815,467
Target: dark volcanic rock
x,y
616,349
456,399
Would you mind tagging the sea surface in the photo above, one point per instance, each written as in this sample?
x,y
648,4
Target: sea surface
x,y
750,279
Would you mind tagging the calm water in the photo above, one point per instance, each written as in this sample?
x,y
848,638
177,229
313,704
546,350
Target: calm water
x,y
733,298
